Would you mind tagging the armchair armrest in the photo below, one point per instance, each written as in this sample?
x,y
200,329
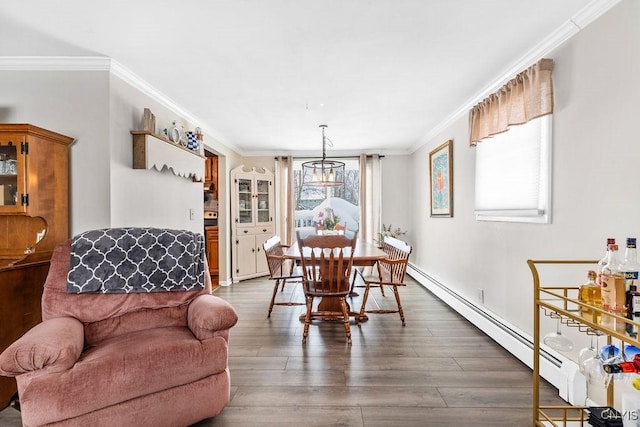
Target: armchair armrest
x,y
55,344
209,316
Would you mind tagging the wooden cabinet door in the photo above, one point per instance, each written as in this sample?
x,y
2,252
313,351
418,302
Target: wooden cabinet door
x,y
207,170
246,255
213,167
261,258
20,310
212,251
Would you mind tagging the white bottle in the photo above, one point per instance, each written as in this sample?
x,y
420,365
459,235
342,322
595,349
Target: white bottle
x,y
613,283
603,261
630,265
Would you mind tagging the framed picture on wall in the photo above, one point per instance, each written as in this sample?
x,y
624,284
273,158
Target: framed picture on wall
x,y
441,176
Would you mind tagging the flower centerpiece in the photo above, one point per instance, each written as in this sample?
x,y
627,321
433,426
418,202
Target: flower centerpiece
x,y
327,220
389,231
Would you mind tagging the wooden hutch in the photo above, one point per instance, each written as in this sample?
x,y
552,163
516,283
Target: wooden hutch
x,y
34,218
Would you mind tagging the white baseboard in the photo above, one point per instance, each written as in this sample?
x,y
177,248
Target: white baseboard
x,y
504,333
227,282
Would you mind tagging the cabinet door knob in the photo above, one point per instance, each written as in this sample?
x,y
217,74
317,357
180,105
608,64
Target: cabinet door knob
x,y
246,231
264,230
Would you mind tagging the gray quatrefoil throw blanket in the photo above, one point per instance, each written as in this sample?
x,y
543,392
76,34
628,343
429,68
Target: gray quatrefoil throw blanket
x,y
126,260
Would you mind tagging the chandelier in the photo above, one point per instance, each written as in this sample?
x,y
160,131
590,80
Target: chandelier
x,y
323,173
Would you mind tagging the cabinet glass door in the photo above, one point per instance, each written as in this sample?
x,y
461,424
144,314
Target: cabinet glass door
x,y
263,200
11,165
245,199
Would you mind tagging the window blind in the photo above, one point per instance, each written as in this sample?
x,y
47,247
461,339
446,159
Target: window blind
x,y
513,172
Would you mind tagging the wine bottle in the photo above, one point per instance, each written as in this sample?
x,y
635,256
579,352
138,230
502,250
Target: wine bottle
x,y
633,310
630,265
613,291
603,261
590,293
613,282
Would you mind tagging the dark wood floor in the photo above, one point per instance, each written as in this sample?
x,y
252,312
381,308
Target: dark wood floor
x,y
438,370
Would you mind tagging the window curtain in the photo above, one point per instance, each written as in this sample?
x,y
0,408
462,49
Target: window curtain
x,y
370,197
284,199
527,96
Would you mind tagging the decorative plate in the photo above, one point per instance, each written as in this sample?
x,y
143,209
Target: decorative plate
x,y
174,134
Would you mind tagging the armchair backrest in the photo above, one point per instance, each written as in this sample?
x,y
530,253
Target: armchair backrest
x,y
110,314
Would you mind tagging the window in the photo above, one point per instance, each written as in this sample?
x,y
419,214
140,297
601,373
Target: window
x,y
513,174
310,203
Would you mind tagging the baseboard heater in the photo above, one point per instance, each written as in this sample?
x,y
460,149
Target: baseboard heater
x,y
519,344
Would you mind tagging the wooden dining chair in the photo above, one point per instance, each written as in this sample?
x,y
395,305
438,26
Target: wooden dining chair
x,y
326,261
390,272
281,270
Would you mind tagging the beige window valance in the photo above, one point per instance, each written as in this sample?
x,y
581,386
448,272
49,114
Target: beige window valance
x,y
525,97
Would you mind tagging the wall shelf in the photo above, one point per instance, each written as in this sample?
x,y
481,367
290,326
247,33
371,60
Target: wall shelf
x,y
154,151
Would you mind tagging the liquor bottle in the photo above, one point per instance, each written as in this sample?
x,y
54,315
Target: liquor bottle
x,y
613,282
603,261
623,367
590,293
630,265
633,310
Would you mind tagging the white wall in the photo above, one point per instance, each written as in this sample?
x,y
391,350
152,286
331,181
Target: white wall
x,y
146,197
74,104
397,202
99,110
595,177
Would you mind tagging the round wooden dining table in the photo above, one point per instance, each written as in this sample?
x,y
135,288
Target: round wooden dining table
x,y
365,254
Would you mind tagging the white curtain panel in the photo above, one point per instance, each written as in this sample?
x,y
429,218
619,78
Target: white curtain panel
x,y
370,197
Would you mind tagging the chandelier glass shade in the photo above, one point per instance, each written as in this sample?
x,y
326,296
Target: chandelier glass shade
x,y
323,172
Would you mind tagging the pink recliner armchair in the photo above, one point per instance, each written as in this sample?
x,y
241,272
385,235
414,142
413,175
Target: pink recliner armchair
x,y
122,358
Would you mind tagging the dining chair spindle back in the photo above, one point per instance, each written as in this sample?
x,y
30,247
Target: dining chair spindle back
x,y
281,270
327,261
390,272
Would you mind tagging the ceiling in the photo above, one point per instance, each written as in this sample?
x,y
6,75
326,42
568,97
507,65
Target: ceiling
x,y
262,75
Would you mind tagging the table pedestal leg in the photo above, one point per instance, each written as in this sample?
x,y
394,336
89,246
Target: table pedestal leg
x,y
331,311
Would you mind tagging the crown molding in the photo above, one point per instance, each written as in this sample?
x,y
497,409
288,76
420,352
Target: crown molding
x,y
103,63
55,63
143,86
579,21
336,154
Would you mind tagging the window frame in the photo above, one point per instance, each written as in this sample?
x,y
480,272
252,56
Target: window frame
x,y
541,215
351,164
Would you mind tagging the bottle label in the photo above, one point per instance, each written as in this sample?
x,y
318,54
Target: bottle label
x,y
635,305
613,292
631,278
631,275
